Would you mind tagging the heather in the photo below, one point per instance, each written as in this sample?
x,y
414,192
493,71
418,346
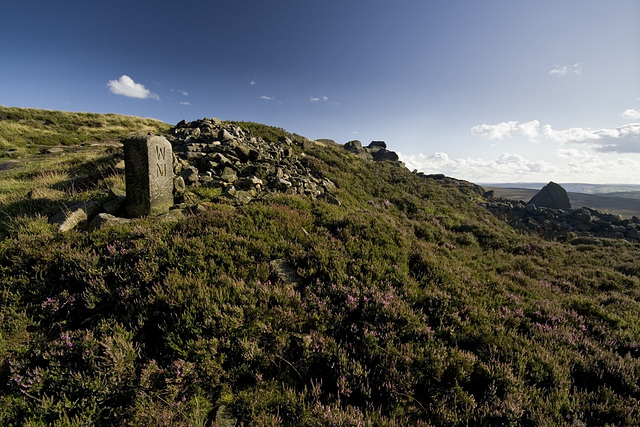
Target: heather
x,y
410,305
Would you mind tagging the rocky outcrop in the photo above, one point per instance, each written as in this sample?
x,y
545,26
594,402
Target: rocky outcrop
x,y
209,153
551,196
375,151
549,221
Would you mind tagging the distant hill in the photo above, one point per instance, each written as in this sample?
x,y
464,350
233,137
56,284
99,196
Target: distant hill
x,y
624,203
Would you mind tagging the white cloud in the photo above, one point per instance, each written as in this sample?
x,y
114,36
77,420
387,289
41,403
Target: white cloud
x,y
185,103
252,82
506,130
584,163
631,114
314,99
267,98
625,139
499,131
125,86
567,69
184,93
507,167
564,165
569,135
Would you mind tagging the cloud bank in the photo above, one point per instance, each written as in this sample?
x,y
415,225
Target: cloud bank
x,y
506,130
125,86
569,165
623,139
503,168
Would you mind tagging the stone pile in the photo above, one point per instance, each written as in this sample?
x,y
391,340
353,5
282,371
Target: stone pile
x,y
209,153
549,221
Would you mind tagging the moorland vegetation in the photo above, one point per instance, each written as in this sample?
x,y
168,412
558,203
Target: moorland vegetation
x,y
408,304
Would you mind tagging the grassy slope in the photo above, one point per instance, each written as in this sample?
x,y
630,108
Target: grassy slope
x,y
415,306
25,130
34,183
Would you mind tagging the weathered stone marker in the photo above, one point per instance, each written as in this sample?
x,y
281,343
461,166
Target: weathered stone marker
x,y
149,175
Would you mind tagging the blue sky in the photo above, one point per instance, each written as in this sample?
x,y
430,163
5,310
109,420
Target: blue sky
x,y
488,91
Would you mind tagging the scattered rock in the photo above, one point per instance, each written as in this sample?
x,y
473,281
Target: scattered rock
x,y
211,154
584,221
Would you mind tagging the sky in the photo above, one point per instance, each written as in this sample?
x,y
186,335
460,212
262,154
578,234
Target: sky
x,y
482,90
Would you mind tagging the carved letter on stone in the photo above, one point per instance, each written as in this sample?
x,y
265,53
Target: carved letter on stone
x,y
149,175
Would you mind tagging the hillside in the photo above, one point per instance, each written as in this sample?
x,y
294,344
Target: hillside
x,y
405,304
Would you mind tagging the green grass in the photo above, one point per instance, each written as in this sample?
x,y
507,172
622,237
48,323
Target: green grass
x,y
414,307
24,130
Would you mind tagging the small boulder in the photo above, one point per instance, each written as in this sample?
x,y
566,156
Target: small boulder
x,y
354,145
377,144
384,154
69,218
107,220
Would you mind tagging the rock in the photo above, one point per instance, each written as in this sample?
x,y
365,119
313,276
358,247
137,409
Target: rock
x,y
384,154
552,196
377,144
113,206
632,233
179,186
172,215
329,186
354,145
224,417
583,216
243,152
329,198
107,220
115,192
250,181
190,175
120,166
284,272
76,213
54,150
228,174
224,135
